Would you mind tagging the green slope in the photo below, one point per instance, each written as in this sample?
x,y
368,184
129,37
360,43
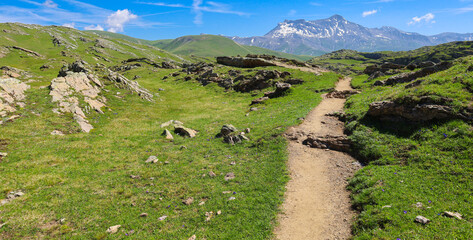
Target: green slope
x,y
213,46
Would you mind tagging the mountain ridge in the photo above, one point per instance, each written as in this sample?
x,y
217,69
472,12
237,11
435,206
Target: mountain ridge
x,y
335,33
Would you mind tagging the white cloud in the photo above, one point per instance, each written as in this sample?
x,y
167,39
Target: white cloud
x,y
427,18
49,4
198,13
69,25
367,13
292,13
315,4
118,19
93,27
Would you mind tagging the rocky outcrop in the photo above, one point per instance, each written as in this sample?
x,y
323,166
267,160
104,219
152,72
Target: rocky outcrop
x,y
143,60
75,83
244,62
14,72
411,76
422,111
169,65
281,90
124,83
383,68
261,80
337,143
341,94
33,53
12,93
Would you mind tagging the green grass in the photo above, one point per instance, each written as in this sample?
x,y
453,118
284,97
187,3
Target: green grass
x,y
409,163
85,178
214,46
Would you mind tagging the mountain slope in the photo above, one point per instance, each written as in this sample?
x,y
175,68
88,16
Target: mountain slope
x,y
335,33
213,46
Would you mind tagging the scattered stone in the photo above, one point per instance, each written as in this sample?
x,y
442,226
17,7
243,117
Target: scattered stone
x,y
3,154
422,220
185,132
212,174
231,198
193,237
453,215
387,206
113,229
11,94
166,162
27,51
219,212
62,220
173,123
169,65
188,201
202,203
152,159
247,130
144,215
57,133
253,109
161,89
208,215
337,143
134,177
229,176
259,100
233,163
167,134
3,224
419,205
162,218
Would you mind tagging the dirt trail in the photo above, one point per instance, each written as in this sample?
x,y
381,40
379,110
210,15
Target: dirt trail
x,y
317,205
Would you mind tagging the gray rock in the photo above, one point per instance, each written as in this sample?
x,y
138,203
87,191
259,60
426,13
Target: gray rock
x,y
229,176
57,133
453,215
422,220
167,134
152,159
194,237
144,215
337,143
188,201
185,132
244,62
162,218
227,129
113,229
212,174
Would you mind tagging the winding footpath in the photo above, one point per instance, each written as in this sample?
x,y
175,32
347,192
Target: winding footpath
x,y
317,204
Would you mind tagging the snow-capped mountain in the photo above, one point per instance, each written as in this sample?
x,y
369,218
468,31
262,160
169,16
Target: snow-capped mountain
x,y
335,33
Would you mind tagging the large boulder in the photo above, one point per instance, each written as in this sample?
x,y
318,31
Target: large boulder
x,y
244,62
337,143
411,76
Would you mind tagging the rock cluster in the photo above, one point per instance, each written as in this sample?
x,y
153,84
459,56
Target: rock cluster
x,y
231,135
178,129
75,81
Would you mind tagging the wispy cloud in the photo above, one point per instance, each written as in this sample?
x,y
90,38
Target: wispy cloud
x,y
368,13
292,13
94,27
427,18
315,4
69,25
466,9
198,7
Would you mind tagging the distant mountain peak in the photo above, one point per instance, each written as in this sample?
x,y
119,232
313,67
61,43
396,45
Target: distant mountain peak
x,y
335,33
337,17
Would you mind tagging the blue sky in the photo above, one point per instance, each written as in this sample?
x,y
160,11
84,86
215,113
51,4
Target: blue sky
x,y
162,19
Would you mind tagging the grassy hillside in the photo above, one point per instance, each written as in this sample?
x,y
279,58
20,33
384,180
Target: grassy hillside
x,y
213,46
120,36
78,185
413,168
